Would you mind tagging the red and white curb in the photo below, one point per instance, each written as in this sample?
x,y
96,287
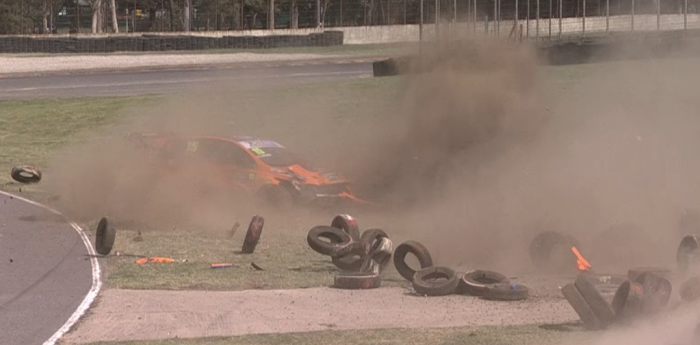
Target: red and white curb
x,y
96,281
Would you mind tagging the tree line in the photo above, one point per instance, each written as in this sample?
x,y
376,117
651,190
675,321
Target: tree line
x,y
104,16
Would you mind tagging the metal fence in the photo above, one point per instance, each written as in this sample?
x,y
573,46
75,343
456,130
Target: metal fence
x,y
526,19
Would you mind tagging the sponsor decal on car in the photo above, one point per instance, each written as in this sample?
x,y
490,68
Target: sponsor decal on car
x,y
261,144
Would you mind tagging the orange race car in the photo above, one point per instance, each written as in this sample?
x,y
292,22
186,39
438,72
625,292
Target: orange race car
x,y
262,168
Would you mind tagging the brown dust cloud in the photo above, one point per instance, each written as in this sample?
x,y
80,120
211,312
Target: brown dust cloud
x,y
472,159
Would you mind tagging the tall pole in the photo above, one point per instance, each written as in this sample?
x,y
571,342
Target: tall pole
x,y
437,20
560,13
685,14
527,23
420,28
495,17
318,14
632,15
537,25
550,20
584,18
607,16
515,23
658,15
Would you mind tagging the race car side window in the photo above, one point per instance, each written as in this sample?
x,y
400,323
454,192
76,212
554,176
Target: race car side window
x,y
232,154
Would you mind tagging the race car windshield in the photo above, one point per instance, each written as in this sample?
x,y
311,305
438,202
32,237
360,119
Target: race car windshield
x,y
281,157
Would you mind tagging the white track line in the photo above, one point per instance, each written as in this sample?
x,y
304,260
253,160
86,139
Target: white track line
x,y
96,281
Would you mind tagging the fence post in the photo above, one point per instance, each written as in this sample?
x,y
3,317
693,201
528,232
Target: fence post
x,y
658,15
632,15
550,20
515,23
527,22
560,12
607,17
537,25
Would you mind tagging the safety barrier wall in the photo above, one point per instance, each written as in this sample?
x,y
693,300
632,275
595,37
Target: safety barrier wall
x,y
147,43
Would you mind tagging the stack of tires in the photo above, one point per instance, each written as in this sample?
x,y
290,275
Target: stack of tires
x,y
360,257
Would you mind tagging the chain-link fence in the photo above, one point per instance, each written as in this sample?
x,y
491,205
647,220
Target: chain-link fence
x,y
521,19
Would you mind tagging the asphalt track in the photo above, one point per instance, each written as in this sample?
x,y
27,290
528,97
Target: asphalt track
x,y
45,276
128,83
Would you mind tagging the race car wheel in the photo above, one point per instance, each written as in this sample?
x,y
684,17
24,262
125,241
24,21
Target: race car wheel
x,y
425,281
348,224
252,236
416,249
505,292
26,174
340,243
357,280
105,236
276,196
474,282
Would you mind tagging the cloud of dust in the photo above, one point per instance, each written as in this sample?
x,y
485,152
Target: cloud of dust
x,y
486,157
476,157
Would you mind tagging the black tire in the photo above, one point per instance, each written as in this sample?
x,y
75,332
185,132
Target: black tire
x,y
584,311
627,302
252,236
506,292
105,236
474,282
348,224
415,248
340,244
423,285
368,243
352,262
26,174
657,292
595,300
688,252
690,289
543,244
634,273
357,280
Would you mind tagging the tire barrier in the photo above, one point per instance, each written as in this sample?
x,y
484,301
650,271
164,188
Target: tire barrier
x,y
150,43
475,282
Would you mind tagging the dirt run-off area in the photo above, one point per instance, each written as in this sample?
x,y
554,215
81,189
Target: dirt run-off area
x,y
142,315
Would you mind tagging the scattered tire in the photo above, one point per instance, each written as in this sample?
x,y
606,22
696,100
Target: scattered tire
x,y
352,262
657,292
415,248
26,174
584,311
474,282
542,246
252,236
634,273
105,236
690,289
357,280
505,292
348,224
339,244
424,282
598,304
687,253
369,242
627,302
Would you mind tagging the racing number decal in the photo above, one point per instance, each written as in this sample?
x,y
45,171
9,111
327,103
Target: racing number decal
x,y
192,146
258,151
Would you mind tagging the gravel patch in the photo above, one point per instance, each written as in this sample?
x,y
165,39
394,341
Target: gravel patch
x,y
122,315
33,64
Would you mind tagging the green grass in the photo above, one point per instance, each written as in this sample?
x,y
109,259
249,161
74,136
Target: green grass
x,y
502,335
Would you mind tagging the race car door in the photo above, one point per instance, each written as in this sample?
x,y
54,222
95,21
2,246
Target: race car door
x,y
236,164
